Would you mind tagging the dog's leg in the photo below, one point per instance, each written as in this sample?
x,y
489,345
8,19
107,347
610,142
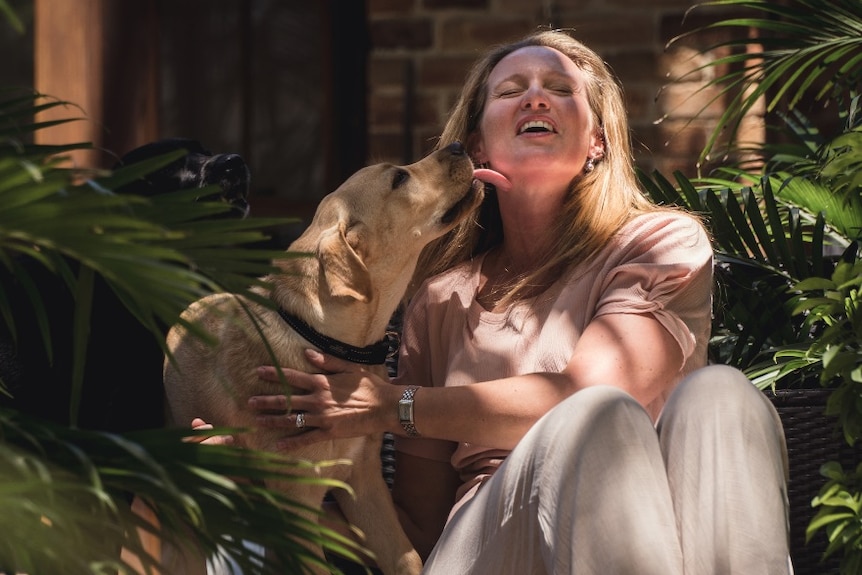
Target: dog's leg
x,y
173,559
371,510
310,495
150,541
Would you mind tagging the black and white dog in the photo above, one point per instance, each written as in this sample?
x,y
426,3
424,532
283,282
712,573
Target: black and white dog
x,y
196,169
123,388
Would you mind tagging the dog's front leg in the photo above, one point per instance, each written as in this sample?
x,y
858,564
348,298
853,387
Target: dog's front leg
x,y
311,496
371,510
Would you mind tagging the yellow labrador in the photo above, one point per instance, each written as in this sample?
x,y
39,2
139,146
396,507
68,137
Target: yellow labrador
x,y
367,236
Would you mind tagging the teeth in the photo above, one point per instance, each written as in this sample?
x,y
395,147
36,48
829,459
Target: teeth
x,y
536,124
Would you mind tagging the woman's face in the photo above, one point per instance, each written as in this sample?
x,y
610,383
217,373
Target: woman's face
x,y
537,122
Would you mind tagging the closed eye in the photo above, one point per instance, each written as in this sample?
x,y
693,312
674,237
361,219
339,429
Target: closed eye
x,y
399,177
508,93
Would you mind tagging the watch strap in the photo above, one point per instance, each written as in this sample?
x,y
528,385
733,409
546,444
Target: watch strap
x,y
405,411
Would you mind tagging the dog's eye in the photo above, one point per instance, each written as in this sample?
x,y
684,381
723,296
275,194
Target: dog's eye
x,y
399,178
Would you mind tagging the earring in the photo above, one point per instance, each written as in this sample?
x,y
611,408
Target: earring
x,y
590,165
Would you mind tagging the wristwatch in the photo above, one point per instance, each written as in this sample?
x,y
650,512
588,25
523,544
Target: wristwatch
x,y
405,411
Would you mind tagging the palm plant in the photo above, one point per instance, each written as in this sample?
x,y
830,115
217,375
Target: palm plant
x,y
787,226
64,491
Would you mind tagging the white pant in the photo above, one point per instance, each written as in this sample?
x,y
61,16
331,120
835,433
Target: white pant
x,y
595,488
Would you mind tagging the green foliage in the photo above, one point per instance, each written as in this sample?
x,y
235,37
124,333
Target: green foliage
x,y
832,308
803,49
64,492
840,504
763,246
63,497
11,17
787,224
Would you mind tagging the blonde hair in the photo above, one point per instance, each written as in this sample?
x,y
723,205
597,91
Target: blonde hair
x,y
599,202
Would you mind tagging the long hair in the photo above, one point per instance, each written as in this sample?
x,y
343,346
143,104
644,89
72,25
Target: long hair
x,y
599,202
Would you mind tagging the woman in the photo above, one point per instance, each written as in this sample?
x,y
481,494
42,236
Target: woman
x,y
563,418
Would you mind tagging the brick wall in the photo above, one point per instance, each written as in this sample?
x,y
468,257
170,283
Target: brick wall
x,y
421,50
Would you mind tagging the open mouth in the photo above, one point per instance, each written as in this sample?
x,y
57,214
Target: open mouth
x,y
537,127
454,213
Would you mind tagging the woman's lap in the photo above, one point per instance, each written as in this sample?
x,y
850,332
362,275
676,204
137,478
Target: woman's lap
x,y
587,490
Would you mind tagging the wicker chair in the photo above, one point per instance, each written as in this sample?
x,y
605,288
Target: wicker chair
x,y
812,440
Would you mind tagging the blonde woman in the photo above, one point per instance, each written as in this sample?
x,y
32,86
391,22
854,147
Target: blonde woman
x,y
553,403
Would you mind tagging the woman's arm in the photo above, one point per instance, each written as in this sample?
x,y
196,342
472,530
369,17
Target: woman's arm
x,y
631,351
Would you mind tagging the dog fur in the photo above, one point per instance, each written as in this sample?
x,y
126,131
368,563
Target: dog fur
x,y
366,238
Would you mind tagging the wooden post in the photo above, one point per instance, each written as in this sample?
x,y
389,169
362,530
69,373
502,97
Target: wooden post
x,y
101,56
67,61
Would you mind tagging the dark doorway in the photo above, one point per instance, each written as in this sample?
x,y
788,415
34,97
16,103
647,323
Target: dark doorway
x,y
282,83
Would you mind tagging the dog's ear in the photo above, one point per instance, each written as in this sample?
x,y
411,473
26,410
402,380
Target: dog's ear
x,y
343,269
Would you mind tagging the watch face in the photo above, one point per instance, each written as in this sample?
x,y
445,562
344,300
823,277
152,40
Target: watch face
x,y
404,410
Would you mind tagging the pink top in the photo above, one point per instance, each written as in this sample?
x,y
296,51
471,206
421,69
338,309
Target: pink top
x,y
659,263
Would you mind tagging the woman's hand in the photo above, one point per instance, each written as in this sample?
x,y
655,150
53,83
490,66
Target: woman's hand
x,y
345,401
198,424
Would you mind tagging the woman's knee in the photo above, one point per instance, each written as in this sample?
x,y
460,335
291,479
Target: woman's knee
x,y
594,402
714,386
723,399
602,411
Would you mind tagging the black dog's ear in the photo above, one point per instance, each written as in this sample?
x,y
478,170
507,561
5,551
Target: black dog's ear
x,y
160,147
343,268
168,178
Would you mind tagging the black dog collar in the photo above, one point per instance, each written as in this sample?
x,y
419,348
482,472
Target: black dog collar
x,y
374,354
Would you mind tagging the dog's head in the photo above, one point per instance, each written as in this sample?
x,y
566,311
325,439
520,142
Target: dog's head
x,y
371,230
198,168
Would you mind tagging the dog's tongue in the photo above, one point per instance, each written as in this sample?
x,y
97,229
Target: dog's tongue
x,y
494,178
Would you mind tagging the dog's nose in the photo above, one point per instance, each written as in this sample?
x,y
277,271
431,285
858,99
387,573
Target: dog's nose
x,y
228,163
455,148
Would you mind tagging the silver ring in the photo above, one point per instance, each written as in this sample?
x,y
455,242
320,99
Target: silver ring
x,y
300,420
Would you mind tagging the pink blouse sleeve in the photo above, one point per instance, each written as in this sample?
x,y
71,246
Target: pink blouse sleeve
x,y
663,267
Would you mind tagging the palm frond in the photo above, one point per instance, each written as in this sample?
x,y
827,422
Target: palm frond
x,y
64,492
11,17
67,491
802,44
763,246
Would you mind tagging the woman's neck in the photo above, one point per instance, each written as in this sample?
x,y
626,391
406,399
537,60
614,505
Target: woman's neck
x,y
529,218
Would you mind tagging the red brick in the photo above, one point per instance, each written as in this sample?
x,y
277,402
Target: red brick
x,y
667,166
388,110
684,63
538,13
640,104
630,35
645,135
683,139
653,5
634,65
426,140
444,70
401,33
604,31
386,70
385,147
462,4
475,35
400,6
690,99
674,24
